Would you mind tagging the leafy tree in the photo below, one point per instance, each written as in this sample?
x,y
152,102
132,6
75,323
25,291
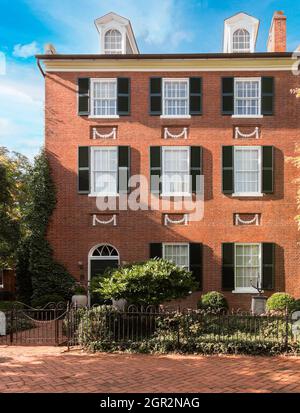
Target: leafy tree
x,y
47,276
151,282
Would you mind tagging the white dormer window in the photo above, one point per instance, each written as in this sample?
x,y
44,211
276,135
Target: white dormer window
x,y
113,42
241,41
240,33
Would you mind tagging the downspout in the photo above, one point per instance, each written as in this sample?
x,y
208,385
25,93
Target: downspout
x,y
40,67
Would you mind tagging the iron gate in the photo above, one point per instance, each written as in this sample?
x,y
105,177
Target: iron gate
x,y
25,325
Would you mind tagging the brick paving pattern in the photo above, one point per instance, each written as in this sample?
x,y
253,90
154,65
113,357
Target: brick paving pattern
x,y
52,369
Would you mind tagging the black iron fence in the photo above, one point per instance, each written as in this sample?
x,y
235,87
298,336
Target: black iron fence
x,y
102,326
106,327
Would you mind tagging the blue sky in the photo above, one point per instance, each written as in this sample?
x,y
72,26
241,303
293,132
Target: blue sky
x,y
159,25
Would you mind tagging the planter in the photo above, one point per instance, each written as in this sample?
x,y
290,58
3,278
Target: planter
x,y
119,304
80,300
258,304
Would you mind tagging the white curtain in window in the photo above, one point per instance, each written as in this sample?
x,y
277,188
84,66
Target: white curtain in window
x,y
105,98
175,97
105,168
178,254
247,265
175,170
247,170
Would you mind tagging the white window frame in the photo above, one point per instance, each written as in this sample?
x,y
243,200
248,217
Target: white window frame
x,y
109,51
247,290
259,149
92,174
177,244
175,194
241,50
247,79
92,98
164,115
1,279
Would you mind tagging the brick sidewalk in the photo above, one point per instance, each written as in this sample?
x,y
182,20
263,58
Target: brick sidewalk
x,y
50,369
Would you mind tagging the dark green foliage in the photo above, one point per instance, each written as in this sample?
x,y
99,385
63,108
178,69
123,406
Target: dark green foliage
x,y
23,275
47,276
280,302
213,300
152,282
9,305
46,299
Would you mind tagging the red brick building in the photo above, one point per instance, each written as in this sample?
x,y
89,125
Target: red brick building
x,y
229,116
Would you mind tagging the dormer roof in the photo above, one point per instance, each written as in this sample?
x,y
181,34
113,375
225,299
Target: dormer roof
x,y
115,21
240,21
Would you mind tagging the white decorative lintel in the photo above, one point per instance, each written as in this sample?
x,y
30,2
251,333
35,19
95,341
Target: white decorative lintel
x,y
111,135
239,220
239,134
181,135
184,220
96,220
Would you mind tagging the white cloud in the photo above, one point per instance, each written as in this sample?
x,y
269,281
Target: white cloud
x,y
26,50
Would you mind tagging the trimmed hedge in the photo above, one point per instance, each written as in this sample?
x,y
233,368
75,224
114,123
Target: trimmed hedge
x,y
213,301
280,302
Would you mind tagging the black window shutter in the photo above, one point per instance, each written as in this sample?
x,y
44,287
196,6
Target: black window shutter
x,y
196,168
267,169
196,262
123,96
155,96
227,95
123,168
195,96
227,169
83,169
267,96
83,96
228,266
268,265
155,250
155,169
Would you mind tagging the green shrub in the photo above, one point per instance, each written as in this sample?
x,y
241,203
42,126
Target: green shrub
x,y
213,301
280,302
296,305
9,305
46,299
148,283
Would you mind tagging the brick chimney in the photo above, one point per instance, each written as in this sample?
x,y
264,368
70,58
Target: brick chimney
x,y
277,33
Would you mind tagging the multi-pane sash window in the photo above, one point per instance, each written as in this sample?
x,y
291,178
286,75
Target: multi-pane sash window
x,y
241,41
247,266
177,253
113,42
247,96
247,170
104,170
175,170
104,97
175,97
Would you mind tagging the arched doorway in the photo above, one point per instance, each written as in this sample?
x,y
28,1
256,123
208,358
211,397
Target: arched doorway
x,y
101,257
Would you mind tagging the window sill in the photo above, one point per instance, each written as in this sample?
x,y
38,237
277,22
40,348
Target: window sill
x,y
104,117
172,195
245,291
175,116
103,195
247,116
247,194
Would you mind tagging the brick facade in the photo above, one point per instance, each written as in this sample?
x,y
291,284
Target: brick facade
x,y
71,232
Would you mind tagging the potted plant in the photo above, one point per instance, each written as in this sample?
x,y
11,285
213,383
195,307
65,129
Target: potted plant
x,y
80,298
258,302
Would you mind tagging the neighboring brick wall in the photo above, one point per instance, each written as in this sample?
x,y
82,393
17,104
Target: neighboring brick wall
x,y
71,233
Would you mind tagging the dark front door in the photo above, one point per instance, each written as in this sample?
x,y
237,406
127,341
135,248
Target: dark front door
x,y
98,268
